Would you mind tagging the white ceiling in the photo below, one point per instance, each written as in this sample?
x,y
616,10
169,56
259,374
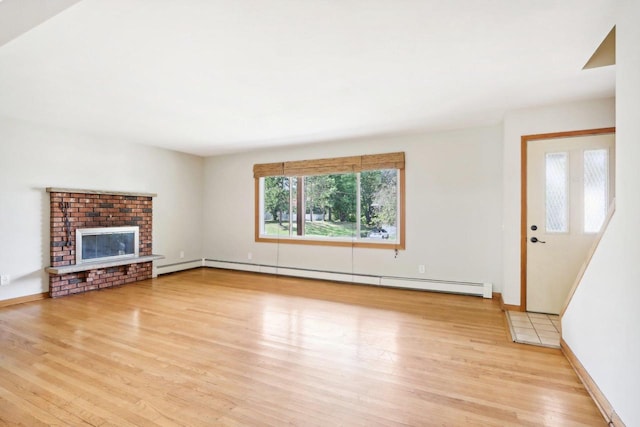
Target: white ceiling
x,y
210,77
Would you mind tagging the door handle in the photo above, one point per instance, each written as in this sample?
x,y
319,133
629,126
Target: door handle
x,y
536,240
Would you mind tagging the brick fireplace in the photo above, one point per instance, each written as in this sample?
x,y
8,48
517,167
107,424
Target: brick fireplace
x,y
79,209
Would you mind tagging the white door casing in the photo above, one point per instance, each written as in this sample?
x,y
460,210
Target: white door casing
x,y
564,232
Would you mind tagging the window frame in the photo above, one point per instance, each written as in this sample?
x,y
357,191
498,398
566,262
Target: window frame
x,y
329,166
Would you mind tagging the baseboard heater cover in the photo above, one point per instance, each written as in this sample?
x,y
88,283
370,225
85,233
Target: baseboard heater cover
x,y
179,266
467,288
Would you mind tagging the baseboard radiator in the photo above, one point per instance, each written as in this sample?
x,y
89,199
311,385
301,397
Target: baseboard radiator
x,y
467,288
177,266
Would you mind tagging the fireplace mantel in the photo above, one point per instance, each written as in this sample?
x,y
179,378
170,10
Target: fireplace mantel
x,y
106,192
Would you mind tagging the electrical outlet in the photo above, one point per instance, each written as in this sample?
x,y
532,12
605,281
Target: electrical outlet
x,y
181,254
5,279
249,256
421,269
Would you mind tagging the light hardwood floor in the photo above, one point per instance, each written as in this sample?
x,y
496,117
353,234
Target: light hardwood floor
x,y
213,347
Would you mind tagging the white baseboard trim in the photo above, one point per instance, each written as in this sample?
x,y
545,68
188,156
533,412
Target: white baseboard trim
x,y
480,289
467,288
178,266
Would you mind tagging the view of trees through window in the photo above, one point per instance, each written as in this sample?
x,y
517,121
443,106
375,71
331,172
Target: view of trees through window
x,y
360,205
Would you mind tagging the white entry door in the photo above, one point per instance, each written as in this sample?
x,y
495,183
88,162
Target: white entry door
x,y
570,186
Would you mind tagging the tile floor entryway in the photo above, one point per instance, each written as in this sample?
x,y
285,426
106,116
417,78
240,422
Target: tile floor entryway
x,y
534,328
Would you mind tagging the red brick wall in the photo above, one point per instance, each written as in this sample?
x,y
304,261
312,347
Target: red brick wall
x,y
97,210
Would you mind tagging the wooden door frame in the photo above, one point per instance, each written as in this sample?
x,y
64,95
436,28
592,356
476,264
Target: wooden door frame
x,y
524,141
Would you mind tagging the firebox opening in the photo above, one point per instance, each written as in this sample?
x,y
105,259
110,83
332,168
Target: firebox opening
x,y
106,243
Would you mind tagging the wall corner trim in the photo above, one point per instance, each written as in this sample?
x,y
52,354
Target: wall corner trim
x,y
506,307
606,409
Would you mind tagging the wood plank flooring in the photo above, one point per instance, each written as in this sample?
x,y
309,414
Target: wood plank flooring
x,y
212,347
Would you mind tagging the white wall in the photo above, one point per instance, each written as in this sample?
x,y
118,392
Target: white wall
x,y
602,322
453,202
33,158
556,118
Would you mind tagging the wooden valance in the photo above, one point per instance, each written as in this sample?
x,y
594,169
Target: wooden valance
x,y
332,165
268,169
